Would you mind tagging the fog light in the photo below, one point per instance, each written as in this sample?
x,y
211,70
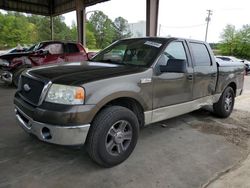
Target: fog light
x,y
46,133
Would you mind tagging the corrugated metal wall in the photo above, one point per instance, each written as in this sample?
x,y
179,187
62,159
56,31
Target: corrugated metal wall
x,y
45,7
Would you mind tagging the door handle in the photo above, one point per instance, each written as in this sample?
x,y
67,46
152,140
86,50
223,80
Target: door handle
x,y
190,77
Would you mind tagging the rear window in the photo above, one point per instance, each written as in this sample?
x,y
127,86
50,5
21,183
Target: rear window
x,y
72,48
200,54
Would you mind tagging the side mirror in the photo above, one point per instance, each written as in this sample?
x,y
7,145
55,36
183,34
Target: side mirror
x,y
174,65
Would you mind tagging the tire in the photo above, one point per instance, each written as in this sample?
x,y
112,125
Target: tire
x,y
16,76
106,143
224,107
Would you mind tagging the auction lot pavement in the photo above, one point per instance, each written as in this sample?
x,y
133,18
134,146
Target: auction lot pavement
x,y
187,151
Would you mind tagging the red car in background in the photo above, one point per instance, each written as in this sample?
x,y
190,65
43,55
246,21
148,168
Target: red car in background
x,y
49,52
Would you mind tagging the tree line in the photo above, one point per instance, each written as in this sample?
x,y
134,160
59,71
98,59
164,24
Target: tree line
x,y
17,28
235,42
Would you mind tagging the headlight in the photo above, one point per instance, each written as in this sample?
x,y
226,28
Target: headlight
x,y
4,62
64,94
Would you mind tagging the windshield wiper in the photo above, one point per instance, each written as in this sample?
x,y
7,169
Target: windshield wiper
x,y
110,61
107,61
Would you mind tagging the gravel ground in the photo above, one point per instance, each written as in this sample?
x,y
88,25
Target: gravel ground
x,y
238,132
235,129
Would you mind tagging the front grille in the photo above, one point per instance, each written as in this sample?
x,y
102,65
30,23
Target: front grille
x,y
33,94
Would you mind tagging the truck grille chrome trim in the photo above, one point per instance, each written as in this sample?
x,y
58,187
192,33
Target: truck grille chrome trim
x,y
44,92
37,91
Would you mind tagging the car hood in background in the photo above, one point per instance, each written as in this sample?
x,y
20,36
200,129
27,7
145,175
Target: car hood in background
x,y
230,64
14,55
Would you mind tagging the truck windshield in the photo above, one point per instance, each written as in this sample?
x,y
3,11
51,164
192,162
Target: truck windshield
x,y
138,52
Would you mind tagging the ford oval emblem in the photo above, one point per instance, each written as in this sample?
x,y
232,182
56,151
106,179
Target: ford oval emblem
x,y
26,87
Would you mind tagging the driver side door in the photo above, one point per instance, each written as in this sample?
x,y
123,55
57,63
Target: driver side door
x,y
171,88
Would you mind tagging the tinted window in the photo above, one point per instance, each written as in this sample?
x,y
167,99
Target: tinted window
x,y
201,55
175,50
72,48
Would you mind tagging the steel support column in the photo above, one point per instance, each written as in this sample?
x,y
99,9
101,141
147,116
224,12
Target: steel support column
x,y
152,17
80,14
51,28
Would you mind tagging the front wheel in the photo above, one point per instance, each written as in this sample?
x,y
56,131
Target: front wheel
x,y
112,136
224,107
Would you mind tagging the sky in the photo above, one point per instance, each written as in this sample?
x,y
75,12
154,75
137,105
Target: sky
x,y
179,18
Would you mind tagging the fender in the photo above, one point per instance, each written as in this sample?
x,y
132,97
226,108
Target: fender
x,y
99,94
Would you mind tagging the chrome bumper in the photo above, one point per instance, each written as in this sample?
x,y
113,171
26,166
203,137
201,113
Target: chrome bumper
x,y
71,135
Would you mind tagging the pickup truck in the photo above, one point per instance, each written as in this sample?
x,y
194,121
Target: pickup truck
x,y
13,63
104,102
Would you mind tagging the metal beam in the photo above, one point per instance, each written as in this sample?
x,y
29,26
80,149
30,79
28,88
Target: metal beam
x,y
45,7
80,15
152,17
51,28
23,6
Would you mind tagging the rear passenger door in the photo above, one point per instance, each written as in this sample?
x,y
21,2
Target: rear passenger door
x,y
205,72
73,53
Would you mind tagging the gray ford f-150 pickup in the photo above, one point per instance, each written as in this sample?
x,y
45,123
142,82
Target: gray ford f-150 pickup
x,y
132,83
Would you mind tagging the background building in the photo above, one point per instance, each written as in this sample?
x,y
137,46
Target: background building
x,y
138,29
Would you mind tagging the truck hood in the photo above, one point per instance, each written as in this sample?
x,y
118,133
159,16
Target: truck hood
x,y
78,73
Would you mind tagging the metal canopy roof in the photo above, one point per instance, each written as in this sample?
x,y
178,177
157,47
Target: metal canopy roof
x,y
44,7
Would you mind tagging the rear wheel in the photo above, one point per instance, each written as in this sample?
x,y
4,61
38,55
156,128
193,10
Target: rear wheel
x,y
112,136
224,107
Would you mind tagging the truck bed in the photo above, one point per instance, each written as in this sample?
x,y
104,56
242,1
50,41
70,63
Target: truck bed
x,y
228,72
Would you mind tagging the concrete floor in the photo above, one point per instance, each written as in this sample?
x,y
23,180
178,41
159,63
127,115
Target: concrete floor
x,y
179,155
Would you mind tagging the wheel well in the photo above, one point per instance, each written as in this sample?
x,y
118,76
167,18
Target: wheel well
x,y
131,104
233,85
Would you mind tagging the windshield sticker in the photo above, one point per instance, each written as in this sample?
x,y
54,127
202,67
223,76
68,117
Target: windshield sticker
x,y
154,44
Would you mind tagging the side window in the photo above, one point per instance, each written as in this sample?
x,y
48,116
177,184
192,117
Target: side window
x,y
175,50
54,48
201,54
72,48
